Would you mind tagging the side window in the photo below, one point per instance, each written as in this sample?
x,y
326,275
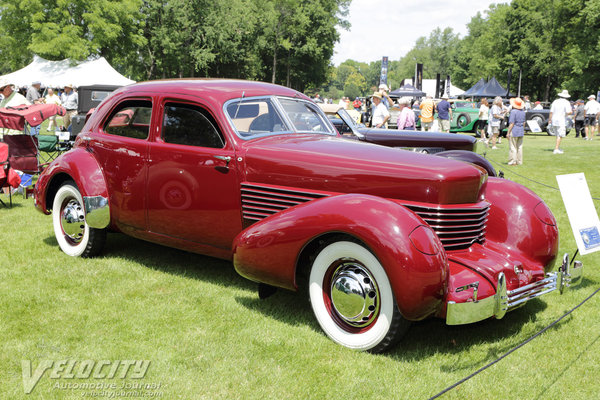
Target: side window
x,y
190,126
130,119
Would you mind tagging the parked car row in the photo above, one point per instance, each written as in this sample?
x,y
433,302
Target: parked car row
x,y
465,116
374,235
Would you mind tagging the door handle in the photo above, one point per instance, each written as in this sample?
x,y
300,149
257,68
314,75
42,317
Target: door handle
x,y
227,159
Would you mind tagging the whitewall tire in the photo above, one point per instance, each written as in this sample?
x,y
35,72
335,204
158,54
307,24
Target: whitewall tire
x,y
352,298
73,234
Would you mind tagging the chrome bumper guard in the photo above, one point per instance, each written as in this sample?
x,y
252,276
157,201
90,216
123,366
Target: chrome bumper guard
x,y
97,212
504,300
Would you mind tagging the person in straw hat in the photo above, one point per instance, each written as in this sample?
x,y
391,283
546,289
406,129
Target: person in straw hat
x,y
516,131
381,115
559,110
12,98
70,101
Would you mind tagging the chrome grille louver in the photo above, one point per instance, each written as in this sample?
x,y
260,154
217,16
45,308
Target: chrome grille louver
x,y
457,227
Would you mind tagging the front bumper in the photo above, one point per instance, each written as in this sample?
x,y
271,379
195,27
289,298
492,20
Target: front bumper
x,y
505,300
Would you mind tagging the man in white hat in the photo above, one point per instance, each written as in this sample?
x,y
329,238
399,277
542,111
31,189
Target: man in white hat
x,y
385,98
11,98
444,111
559,110
591,110
70,101
33,93
380,112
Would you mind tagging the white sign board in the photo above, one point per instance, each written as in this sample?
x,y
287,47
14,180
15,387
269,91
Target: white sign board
x,y
533,125
581,211
63,136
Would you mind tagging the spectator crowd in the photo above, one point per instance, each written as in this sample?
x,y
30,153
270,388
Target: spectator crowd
x,y
66,96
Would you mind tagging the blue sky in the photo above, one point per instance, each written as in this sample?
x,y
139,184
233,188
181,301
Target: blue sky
x,y
391,27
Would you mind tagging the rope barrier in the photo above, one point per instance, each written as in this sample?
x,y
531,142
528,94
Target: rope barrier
x,y
538,333
513,349
525,177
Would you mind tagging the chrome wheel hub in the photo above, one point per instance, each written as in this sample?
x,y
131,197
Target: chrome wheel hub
x,y
354,294
72,220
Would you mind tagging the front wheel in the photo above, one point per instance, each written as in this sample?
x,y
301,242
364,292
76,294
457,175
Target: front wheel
x,y
73,234
352,298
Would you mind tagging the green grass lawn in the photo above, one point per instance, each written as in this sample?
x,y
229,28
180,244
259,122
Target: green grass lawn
x,y
208,336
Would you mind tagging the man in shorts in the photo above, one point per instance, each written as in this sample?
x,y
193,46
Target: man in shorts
x,y
427,110
444,114
591,109
559,110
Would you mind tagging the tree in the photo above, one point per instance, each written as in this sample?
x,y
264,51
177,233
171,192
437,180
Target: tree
x,y
355,85
285,41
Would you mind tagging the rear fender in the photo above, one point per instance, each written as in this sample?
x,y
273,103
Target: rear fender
x,y
407,248
80,166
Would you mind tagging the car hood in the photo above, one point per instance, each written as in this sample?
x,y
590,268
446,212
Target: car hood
x,y
401,138
332,164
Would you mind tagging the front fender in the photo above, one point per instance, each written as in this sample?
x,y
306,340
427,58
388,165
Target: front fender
x,y
521,221
80,166
407,248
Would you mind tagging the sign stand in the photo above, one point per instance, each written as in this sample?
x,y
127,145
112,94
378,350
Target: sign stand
x,y
581,211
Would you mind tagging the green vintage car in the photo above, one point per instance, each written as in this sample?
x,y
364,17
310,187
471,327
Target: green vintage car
x,y
465,115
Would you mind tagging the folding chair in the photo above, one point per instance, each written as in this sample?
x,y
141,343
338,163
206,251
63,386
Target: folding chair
x,y
8,177
48,148
4,172
23,153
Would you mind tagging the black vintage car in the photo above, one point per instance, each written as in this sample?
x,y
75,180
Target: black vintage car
x,y
88,97
449,145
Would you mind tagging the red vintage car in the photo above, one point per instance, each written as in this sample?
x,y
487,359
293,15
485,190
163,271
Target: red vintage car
x,y
255,173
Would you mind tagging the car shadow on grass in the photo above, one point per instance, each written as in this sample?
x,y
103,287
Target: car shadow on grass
x,y
424,339
170,260
432,336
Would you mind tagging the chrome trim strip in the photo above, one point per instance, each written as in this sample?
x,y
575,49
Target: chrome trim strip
x,y
97,212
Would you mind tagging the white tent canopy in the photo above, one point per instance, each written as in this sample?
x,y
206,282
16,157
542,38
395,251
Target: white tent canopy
x,y
60,73
429,87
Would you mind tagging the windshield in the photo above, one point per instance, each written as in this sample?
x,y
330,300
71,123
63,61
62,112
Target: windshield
x,y
464,104
257,117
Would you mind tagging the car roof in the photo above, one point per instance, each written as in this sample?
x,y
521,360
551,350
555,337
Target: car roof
x,y
221,89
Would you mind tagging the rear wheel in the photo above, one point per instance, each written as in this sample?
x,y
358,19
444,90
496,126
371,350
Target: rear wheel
x,y
73,234
352,298
462,121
